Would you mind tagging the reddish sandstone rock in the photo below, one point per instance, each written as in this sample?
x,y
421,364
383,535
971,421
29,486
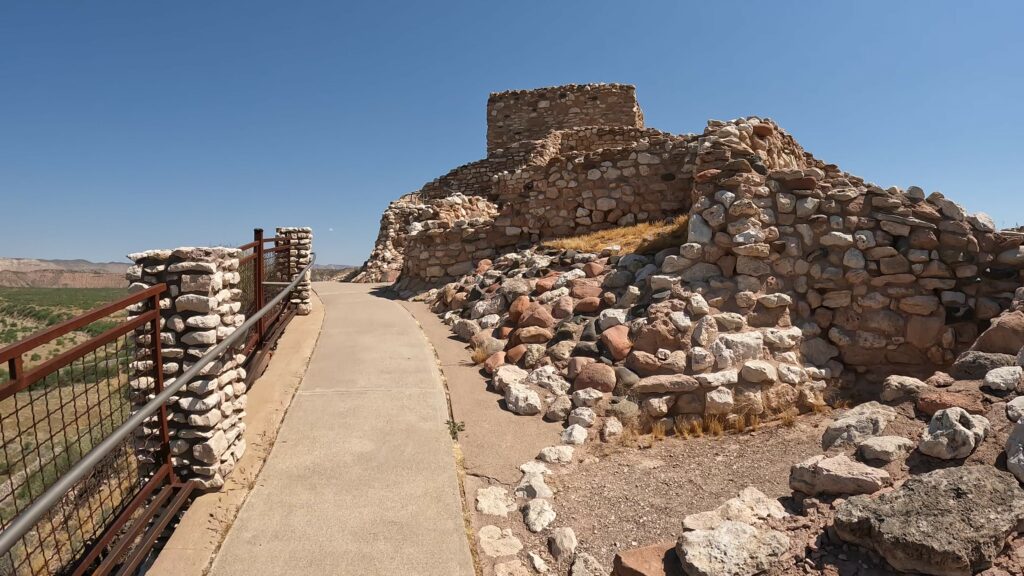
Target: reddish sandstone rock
x,y
931,401
595,375
519,305
514,354
576,365
616,339
1005,336
562,308
655,560
593,269
504,332
585,289
588,305
536,315
494,361
546,283
657,335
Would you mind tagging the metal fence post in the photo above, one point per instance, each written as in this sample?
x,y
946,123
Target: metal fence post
x,y
158,380
258,277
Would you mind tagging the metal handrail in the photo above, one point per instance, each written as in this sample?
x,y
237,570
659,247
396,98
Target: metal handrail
x,y
30,516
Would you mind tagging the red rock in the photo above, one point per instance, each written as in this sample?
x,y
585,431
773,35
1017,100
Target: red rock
x,y
546,283
655,560
504,332
562,308
764,130
519,305
514,354
931,401
1005,336
494,361
595,375
483,266
585,288
707,176
643,363
536,315
593,269
588,305
576,365
616,339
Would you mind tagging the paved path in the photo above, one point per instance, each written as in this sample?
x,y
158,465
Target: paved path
x,y
362,478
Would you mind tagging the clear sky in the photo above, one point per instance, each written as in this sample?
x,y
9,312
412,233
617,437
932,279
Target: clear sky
x,y
128,125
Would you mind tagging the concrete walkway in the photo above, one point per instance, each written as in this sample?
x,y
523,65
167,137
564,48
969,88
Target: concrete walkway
x,y
362,479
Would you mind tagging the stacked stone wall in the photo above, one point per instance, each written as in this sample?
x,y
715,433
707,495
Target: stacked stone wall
x,y
881,279
519,115
297,257
199,310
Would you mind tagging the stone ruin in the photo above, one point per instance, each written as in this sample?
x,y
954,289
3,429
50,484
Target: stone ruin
x,y
877,279
798,286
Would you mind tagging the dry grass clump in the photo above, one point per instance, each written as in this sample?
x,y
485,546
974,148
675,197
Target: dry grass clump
x,y
643,238
788,419
479,355
658,430
713,425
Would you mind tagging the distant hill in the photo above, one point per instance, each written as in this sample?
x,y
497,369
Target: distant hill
x,y
35,273
332,272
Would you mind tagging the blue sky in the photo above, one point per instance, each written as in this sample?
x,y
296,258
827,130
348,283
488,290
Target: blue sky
x,y
134,125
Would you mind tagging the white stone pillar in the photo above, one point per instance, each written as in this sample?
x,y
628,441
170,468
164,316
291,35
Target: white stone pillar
x,y
200,309
300,247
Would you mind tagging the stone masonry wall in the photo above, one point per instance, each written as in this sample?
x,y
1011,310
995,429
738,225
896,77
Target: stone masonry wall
x,y
200,309
519,115
298,256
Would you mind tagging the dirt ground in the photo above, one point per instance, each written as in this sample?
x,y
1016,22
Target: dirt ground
x,y
621,497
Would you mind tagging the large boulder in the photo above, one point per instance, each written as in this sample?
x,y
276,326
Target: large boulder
x,y
953,433
949,522
1015,451
974,365
1004,336
836,476
731,549
857,424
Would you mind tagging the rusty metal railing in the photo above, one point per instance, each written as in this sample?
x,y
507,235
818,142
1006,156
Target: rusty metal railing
x,y
77,496
263,267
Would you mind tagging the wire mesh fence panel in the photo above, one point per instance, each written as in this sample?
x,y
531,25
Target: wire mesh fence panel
x,y
50,417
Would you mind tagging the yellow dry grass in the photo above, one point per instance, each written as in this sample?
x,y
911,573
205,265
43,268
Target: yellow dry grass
x,y
643,238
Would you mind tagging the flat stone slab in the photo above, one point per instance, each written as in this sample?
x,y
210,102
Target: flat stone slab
x,y
949,522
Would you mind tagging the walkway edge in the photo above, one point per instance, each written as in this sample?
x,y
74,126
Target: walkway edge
x,y
200,533
460,462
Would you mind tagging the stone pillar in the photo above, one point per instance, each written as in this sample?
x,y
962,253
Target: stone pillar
x,y
200,309
300,246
